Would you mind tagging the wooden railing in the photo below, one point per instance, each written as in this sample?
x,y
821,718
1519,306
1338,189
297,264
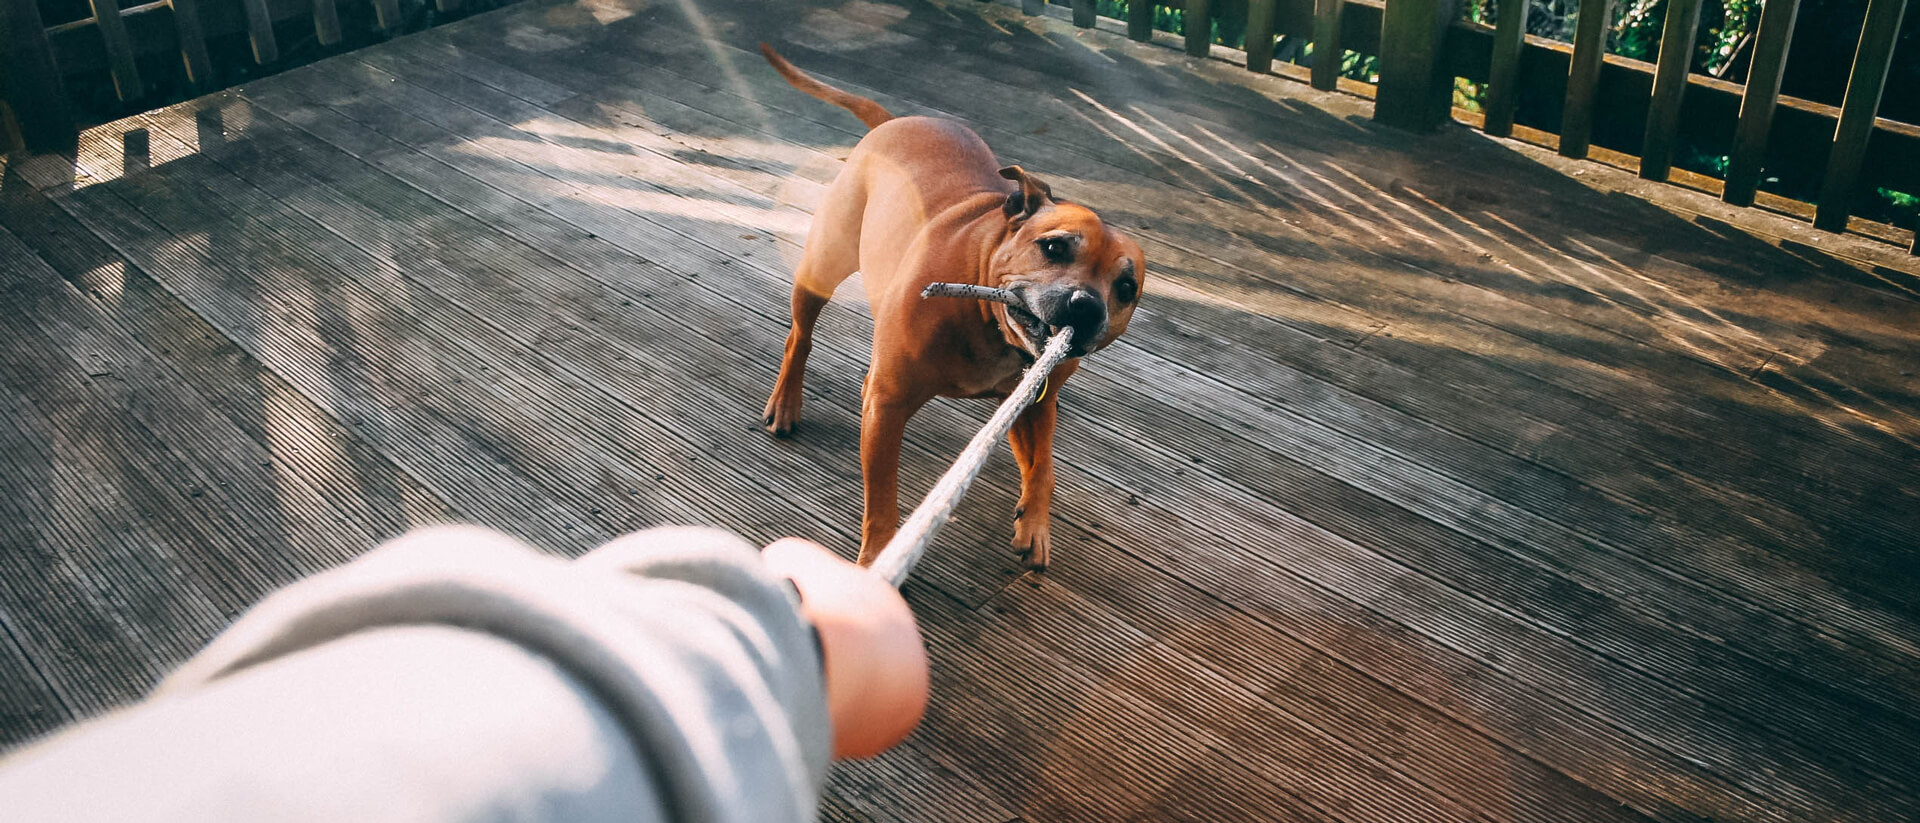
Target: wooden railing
x,y
1422,45
40,58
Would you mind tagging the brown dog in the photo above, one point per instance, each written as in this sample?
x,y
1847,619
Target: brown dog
x,y
920,201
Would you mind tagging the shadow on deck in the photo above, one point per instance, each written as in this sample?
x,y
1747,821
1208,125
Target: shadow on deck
x,y
1437,479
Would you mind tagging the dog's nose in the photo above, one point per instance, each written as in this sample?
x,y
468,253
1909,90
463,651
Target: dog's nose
x,y
1085,312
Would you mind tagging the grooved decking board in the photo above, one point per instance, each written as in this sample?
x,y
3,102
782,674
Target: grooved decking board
x,y
771,339
1394,504
415,103
1792,704
29,706
1449,300
352,477
688,317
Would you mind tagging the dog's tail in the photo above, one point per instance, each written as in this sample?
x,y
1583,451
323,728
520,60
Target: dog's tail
x,y
868,111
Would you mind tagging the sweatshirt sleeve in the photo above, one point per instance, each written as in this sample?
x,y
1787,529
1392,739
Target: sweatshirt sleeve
x,y
456,674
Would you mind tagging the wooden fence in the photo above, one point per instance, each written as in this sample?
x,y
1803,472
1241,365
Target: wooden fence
x,y
41,58
1422,45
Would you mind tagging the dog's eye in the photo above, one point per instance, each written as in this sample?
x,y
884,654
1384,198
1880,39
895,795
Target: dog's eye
x,y
1057,249
1125,289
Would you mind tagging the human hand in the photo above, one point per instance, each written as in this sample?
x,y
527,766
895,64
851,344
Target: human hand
x,y
875,661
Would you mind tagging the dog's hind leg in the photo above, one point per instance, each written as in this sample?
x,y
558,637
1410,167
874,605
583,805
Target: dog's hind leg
x,y
783,407
831,256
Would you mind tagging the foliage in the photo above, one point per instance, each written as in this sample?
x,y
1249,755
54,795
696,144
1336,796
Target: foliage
x,y
1903,208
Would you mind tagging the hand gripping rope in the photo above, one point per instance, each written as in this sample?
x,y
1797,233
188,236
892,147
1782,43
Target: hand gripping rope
x,y
903,551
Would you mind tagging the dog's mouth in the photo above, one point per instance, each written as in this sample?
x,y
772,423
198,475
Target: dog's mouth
x,y
1028,329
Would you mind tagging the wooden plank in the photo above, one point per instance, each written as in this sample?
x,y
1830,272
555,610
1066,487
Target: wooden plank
x,y
1327,52
274,520
1503,77
387,411
1869,77
120,62
1000,143
34,90
326,22
1583,77
692,319
193,40
1178,541
1140,20
678,312
260,31
76,575
326,456
409,71
1414,90
1669,85
1757,102
1199,27
1085,12
29,705
1259,43
849,363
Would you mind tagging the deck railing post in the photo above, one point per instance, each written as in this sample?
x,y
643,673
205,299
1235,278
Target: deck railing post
x,y
193,41
1503,75
326,22
34,90
1669,88
1199,27
1085,12
1414,92
1870,63
1327,53
1583,77
121,64
1259,42
1140,20
1758,101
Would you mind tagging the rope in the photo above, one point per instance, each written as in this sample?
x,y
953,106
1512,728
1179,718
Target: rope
x,y
903,551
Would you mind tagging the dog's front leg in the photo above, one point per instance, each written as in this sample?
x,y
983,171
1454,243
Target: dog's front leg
x,y
884,412
1032,440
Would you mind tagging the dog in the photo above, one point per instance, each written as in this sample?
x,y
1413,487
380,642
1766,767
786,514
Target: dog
x,y
922,200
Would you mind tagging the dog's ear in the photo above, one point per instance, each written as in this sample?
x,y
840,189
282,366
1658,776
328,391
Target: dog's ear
x,y
1033,194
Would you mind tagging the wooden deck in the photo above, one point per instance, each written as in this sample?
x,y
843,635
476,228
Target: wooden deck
x,y
1438,479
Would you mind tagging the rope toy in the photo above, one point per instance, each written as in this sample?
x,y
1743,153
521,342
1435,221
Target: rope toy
x,y
896,561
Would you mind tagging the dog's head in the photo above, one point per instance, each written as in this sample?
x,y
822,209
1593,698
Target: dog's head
x,y
1068,267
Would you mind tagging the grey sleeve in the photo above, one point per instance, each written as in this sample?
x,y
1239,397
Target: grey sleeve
x,y
455,674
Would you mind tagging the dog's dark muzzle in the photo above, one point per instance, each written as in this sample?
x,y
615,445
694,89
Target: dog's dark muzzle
x,y
1075,307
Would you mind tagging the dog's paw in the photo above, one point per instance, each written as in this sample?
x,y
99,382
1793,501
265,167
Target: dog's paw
x,y
1033,538
782,417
